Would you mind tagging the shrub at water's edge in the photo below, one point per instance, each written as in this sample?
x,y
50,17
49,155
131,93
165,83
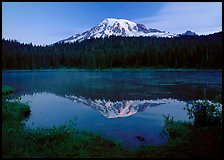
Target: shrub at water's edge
x,y
174,129
205,113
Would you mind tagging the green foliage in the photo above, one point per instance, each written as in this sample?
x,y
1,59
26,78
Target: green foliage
x,y
173,129
205,113
218,99
12,128
7,90
14,111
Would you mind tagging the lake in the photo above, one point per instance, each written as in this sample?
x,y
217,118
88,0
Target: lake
x,y
118,104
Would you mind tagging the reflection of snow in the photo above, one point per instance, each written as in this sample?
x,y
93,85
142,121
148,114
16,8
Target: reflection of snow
x,y
122,108
209,102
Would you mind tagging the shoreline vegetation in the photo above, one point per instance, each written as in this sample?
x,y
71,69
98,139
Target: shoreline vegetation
x,y
184,140
111,69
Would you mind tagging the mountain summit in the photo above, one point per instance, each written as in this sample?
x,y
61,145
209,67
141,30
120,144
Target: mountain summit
x,y
117,27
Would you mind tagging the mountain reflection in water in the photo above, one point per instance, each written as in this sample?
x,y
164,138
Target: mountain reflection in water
x,y
99,116
119,108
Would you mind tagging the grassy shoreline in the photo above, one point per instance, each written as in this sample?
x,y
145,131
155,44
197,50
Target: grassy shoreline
x,y
65,141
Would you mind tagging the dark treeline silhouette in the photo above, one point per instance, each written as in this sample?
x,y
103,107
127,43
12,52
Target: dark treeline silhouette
x,y
179,52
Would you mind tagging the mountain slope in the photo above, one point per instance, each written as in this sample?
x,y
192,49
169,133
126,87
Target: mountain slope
x,y
117,27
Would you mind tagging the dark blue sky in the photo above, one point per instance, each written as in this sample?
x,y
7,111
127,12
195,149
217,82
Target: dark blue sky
x,y
48,22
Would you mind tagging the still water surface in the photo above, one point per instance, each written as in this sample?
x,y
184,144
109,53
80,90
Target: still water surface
x,y
120,105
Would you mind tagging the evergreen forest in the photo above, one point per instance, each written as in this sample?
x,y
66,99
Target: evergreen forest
x,y
202,52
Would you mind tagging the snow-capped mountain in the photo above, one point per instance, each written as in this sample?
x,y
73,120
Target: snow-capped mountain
x,y
117,27
189,33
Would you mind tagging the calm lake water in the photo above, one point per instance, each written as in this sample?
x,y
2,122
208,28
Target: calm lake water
x,y
120,105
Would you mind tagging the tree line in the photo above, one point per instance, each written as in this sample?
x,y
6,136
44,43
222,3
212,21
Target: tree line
x,y
179,52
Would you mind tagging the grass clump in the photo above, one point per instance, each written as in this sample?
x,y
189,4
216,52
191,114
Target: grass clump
x,y
13,113
173,129
60,141
7,90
